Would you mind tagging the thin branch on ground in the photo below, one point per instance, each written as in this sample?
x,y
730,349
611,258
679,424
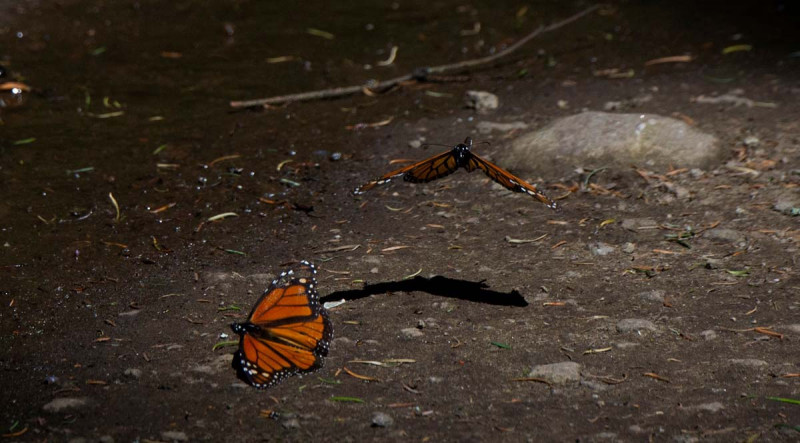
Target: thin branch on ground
x,y
419,74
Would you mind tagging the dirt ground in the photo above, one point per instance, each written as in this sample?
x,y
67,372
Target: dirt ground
x,y
109,320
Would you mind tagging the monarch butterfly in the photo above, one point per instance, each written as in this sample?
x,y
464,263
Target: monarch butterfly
x,y
288,332
461,156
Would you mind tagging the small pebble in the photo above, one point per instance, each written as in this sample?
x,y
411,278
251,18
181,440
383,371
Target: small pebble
x,y
411,333
636,325
382,420
564,373
751,362
601,248
709,334
62,403
174,436
133,372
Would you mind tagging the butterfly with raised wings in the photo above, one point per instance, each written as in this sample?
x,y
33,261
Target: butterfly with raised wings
x,y
461,156
288,332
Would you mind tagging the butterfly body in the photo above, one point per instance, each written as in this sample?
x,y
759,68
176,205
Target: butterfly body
x,y
460,156
288,332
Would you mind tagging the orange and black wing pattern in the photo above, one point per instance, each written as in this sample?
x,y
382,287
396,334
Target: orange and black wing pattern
x,y
288,332
424,171
507,179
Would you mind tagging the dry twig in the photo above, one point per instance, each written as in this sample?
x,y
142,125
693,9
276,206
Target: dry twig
x,y
418,74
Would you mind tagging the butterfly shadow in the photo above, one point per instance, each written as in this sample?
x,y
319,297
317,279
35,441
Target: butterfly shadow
x,y
438,285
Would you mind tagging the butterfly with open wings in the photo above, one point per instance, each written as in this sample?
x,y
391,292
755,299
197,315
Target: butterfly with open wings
x,y
461,156
288,332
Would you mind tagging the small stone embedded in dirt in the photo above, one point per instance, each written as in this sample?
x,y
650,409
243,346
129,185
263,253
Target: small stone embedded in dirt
x,y
60,404
261,279
133,373
435,379
595,385
216,277
291,423
106,439
636,325
633,224
131,313
374,271
343,342
204,369
485,127
382,420
612,140
713,263
710,407
445,306
791,328
656,295
481,101
174,436
636,429
411,333
750,362
787,204
724,234
601,248
560,374
751,141
629,248
709,334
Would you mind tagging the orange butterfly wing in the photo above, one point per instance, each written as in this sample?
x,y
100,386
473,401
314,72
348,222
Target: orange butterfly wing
x,y
507,179
287,333
424,171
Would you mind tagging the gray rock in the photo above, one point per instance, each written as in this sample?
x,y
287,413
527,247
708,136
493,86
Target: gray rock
x,y
709,334
787,204
595,385
174,436
561,374
611,140
487,127
601,248
60,404
106,439
656,295
633,224
133,373
291,423
709,407
411,333
724,234
713,263
481,101
636,325
202,369
750,362
791,328
636,429
381,420
629,248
